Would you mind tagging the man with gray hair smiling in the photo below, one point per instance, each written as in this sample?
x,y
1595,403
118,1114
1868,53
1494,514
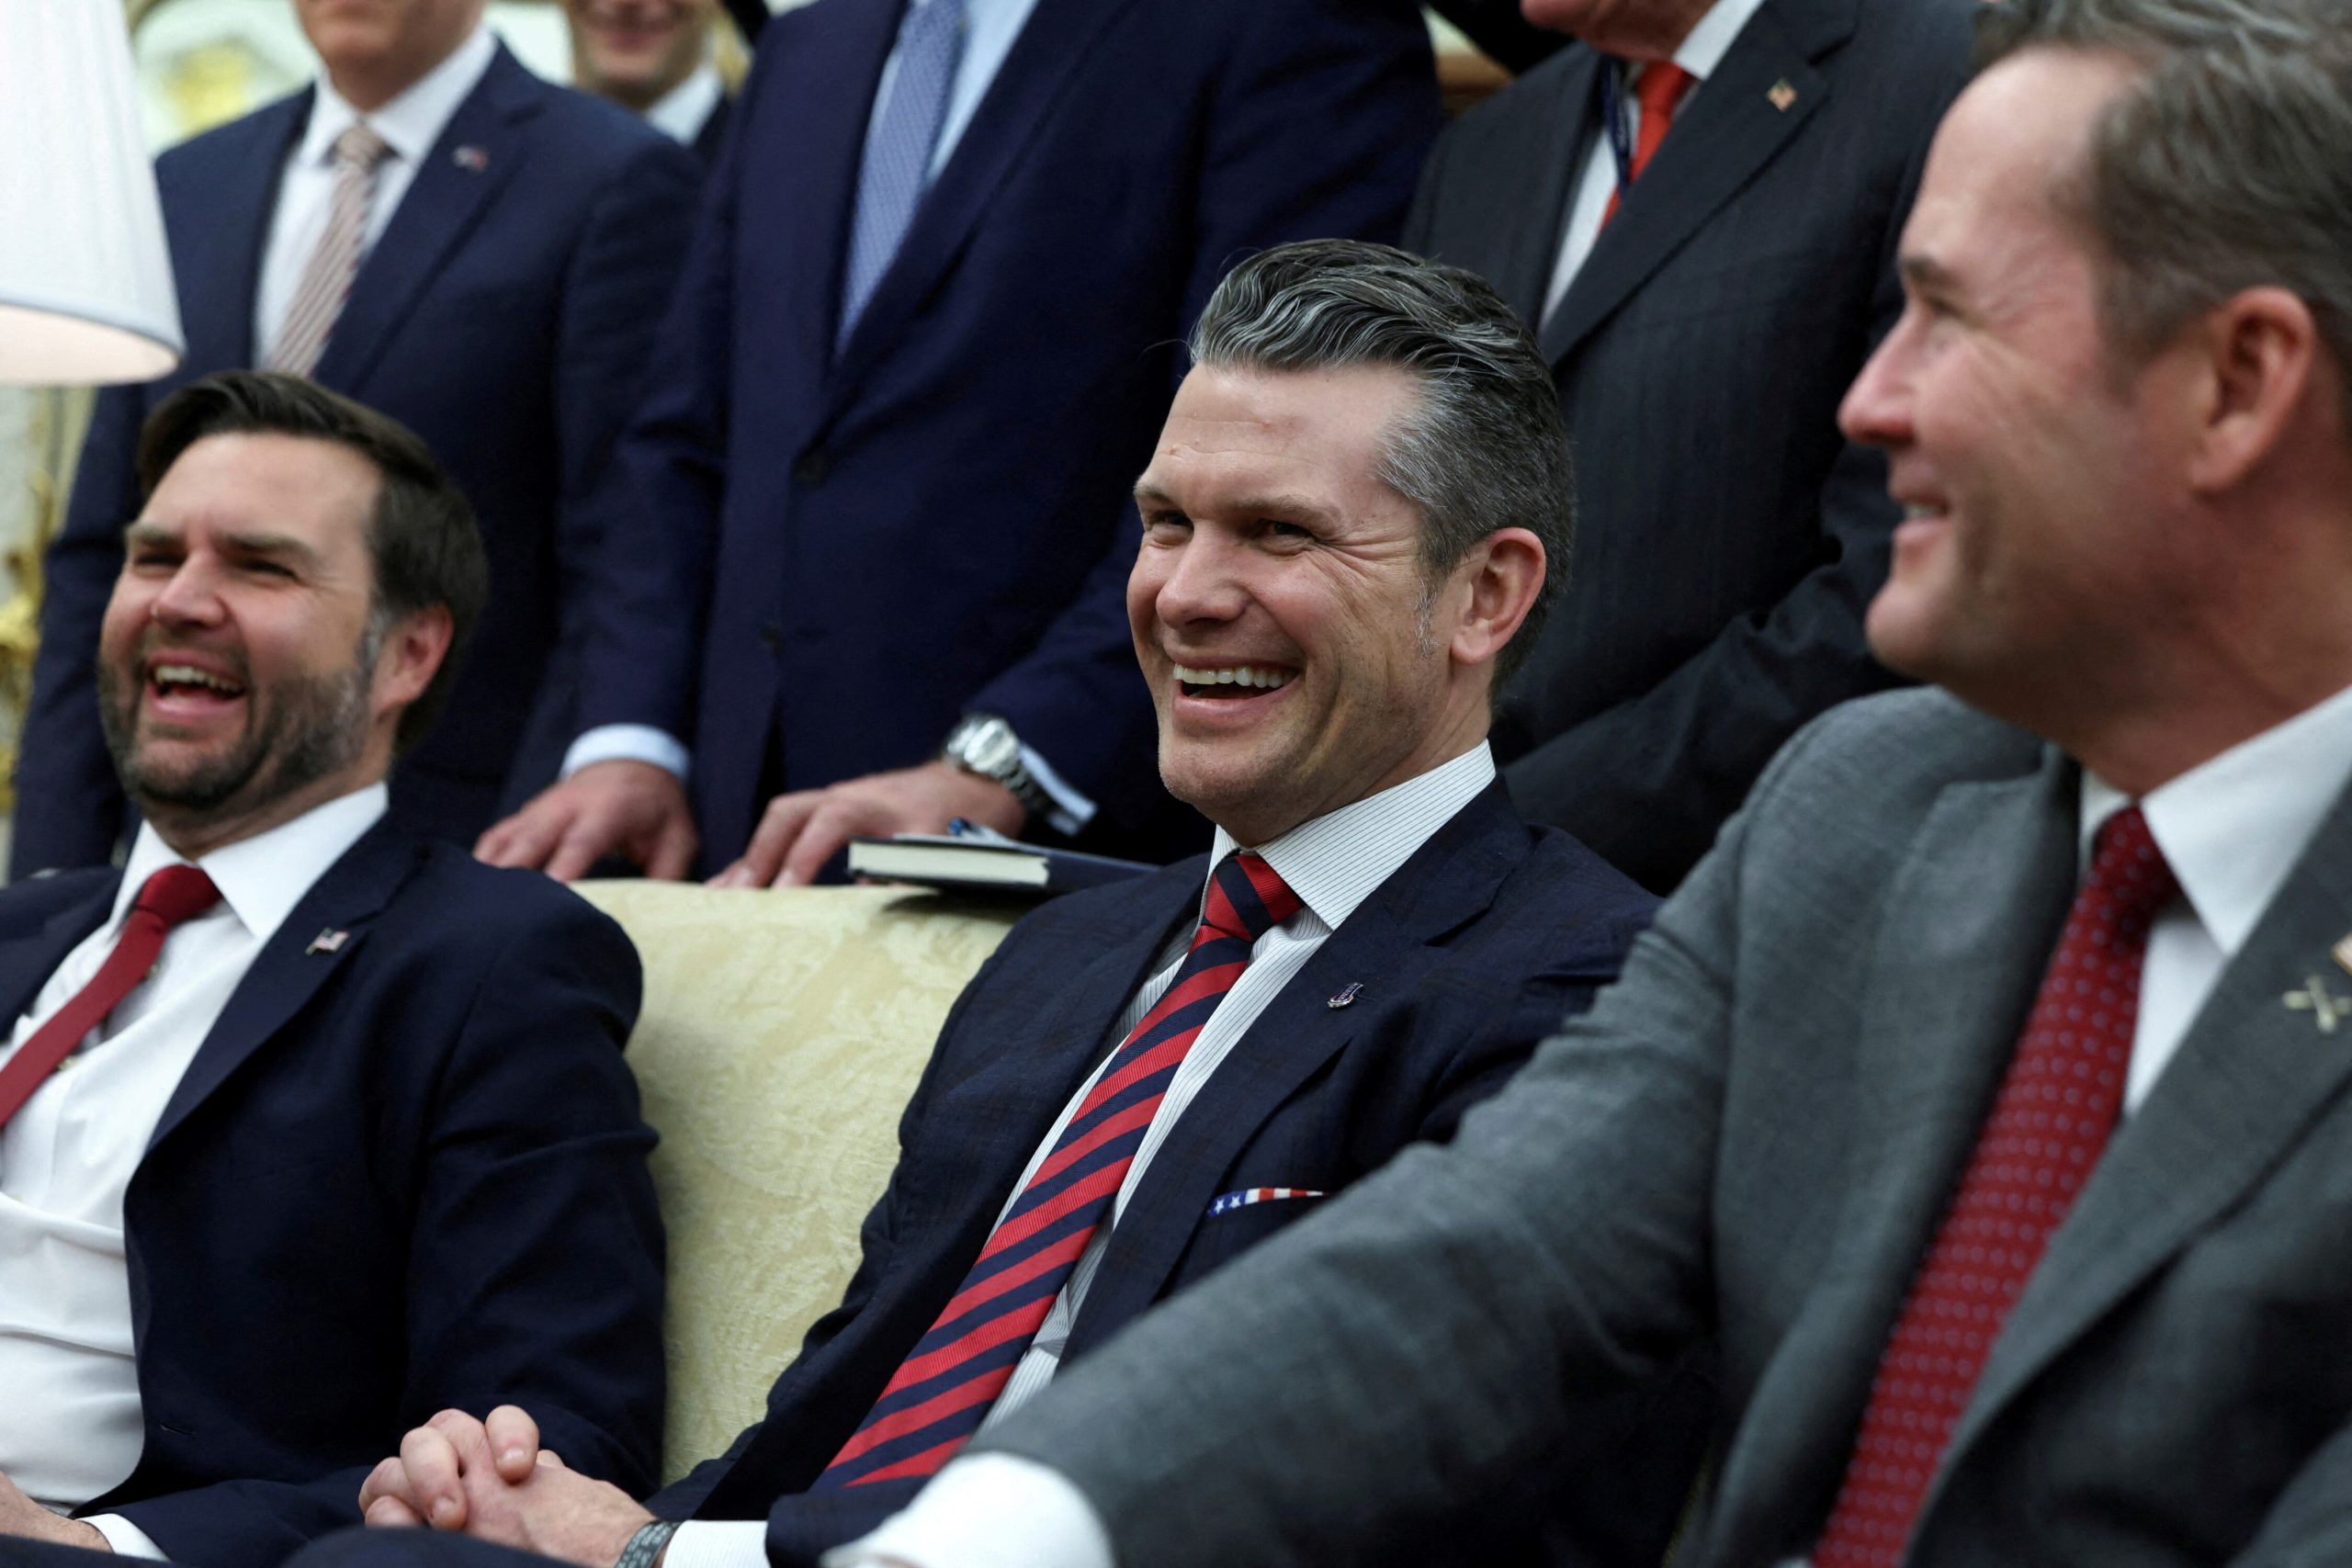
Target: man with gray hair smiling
x,y
1356,510
1985,1097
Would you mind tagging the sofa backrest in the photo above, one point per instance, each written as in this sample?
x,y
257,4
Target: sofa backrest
x,y
780,1035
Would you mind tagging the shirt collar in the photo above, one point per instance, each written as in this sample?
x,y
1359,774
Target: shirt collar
x,y
1333,862
680,113
413,121
2233,828
1710,39
262,879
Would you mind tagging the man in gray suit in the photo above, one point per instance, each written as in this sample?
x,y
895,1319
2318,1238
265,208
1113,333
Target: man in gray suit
x,y
1852,1114
1759,157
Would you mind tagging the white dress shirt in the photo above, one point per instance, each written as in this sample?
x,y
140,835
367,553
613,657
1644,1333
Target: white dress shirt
x,y
70,1428
990,29
1333,862
2232,829
1702,53
681,113
409,125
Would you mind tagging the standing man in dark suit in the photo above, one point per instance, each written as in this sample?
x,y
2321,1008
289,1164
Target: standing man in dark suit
x,y
653,57
307,1126
507,246
1702,315
927,332
1346,530
1852,1113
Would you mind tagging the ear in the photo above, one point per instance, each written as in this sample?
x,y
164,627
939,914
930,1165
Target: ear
x,y
2259,350
1497,583
412,651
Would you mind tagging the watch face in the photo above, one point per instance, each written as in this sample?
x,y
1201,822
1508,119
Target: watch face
x,y
989,747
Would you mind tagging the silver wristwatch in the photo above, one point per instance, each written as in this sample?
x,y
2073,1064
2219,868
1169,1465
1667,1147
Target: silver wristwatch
x,y
984,744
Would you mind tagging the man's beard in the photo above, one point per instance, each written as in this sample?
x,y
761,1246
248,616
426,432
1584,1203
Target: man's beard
x,y
314,724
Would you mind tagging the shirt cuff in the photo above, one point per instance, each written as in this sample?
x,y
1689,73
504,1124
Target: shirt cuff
x,y
627,743
719,1543
1070,810
989,1510
127,1538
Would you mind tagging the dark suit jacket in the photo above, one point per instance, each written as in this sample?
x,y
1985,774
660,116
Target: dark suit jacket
x,y
504,317
400,1175
1729,537
848,553
1477,945
1753,1139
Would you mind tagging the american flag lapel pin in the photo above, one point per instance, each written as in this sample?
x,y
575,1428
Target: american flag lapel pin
x,y
1345,994
1782,94
472,159
327,940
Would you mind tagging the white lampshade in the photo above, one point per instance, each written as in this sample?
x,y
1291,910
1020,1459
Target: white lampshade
x,y
85,279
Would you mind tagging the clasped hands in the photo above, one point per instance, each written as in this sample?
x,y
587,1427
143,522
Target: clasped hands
x,y
492,1479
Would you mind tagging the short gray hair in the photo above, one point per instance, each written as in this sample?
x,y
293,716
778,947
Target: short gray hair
x,y
1483,450
2226,166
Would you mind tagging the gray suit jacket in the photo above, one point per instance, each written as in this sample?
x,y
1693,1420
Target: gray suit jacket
x,y
1727,537
1749,1143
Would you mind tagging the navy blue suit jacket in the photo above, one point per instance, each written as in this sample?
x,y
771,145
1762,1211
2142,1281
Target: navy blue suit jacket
x,y
402,1175
848,553
505,316
1469,954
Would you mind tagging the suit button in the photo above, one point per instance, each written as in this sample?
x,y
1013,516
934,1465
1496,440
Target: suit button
x,y
815,465
771,637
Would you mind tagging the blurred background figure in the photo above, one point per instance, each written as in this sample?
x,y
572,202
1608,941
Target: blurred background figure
x,y
436,231
1696,203
654,58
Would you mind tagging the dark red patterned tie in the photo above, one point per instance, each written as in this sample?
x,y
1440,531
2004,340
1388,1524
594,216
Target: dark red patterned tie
x,y
937,1399
174,893
2049,1125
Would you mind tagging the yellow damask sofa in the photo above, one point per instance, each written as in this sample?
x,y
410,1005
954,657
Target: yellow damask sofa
x,y
781,1033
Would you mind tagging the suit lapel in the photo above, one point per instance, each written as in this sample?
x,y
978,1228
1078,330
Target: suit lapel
x,y
27,962
1053,43
1965,931
1450,880
1562,139
445,198
221,297
2250,1077
1731,129
287,973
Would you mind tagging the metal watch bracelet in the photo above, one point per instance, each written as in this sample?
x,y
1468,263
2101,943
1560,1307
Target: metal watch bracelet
x,y
644,1548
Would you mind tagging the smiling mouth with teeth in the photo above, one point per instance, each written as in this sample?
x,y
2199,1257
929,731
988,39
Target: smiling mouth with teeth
x,y
187,680
1232,680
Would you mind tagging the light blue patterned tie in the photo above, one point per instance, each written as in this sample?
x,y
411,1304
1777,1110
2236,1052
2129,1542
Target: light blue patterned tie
x,y
897,151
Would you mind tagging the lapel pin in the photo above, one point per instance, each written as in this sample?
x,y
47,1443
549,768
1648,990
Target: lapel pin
x,y
2342,950
1782,95
327,940
471,158
1345,994
2326,1010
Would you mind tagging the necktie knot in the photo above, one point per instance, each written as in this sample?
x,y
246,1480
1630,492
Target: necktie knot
x,y
1660,90
175,894
359,148
1246,899
2129,878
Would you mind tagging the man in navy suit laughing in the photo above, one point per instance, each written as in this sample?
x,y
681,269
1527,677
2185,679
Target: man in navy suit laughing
x,y
308,1127
1350,520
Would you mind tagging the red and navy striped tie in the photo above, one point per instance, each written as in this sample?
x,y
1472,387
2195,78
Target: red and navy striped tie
x,y
955,1371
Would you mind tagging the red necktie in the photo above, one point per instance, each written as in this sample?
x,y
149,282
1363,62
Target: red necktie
x,y
171,895
1660,93
2049,1125
936,1400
